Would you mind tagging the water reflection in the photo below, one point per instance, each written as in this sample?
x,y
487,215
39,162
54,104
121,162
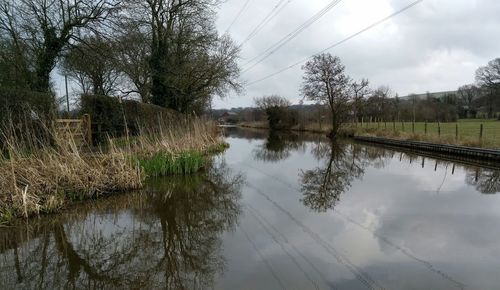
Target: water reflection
x,y
485,181
343,162
394,219
169,235
278,146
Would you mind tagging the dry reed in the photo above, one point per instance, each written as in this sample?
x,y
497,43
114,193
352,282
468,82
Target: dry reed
x,y
39,176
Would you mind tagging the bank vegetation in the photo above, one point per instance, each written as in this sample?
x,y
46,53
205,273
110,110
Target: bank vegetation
x,y
41,173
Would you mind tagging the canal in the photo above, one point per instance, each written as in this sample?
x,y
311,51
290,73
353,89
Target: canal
x,y
276,211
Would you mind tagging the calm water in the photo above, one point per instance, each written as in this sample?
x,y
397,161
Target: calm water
x,y
276,212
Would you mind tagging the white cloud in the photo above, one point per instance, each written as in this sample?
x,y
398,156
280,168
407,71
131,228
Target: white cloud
x,y
437,45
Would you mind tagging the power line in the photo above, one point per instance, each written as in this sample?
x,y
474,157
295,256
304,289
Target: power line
x,y
237,16
272,49
266,20
339,42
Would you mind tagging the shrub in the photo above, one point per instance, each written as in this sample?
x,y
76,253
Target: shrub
x,y
15,105
24,111
281,118
109,116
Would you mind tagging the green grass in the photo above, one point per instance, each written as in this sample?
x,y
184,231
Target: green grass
x,y
7,214
468,129
217,148
163,164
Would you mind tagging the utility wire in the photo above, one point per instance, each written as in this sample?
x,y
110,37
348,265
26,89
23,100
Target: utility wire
x,y
337,43
273,13
237,16
272,49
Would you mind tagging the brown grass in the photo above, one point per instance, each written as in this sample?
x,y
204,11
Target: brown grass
x,y
462,141
39,176
185,135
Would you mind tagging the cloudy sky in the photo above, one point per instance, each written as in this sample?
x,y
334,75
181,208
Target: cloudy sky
x,y
434,46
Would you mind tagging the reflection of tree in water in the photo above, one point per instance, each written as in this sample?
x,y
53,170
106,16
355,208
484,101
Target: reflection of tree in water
x,y
343,162
278,146
486,181
166,237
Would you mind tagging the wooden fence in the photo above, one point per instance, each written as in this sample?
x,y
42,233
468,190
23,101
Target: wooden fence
x,y
79,130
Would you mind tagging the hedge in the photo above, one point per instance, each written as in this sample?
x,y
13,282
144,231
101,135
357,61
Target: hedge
x,y
107,114
17,105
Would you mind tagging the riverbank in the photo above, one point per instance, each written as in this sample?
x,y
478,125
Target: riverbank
x,y
454,150
37,179
468,132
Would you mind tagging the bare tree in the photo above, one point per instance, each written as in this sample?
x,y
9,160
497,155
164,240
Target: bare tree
x,y
267,102
381,102
131,57
47,27
489,75
467,95
489,78
279,115
326,83
359,90
189,62
91,65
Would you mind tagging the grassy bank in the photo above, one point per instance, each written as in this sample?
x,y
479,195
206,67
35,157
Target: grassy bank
x,y
464,132
40,177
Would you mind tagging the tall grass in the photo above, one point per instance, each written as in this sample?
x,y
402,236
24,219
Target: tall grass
x,y
38,176
43,175
173,164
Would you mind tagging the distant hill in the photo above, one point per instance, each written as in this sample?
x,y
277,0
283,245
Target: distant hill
x,y
436,95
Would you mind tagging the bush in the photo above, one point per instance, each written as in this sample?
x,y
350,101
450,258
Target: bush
x,y
17,105
24,111
109,116
281,118
106,114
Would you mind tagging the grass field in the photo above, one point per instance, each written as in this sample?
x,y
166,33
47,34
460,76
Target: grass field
x,y
467,132
445,133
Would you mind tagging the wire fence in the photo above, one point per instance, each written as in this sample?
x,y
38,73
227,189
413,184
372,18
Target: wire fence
x,y
485,131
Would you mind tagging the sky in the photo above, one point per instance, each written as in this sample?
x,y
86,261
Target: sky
x,y
434,46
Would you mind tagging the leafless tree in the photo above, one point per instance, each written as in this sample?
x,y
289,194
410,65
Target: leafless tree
x,y
267,102
326,83
467,95
91,65
189,62
359,90
279,115
489,78
131,57
47,27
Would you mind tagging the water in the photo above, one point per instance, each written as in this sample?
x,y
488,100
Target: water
x,y
276,212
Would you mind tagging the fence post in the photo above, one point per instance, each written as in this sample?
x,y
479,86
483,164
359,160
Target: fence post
x,y
425,127
87,126
394,125
413,127
481,132
439,129
403,125
385,124
456,131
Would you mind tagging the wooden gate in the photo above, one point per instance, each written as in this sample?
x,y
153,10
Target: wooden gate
x,y
78,130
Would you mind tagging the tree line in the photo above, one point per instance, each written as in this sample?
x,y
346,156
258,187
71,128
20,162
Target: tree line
x,y
346,100
163,52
